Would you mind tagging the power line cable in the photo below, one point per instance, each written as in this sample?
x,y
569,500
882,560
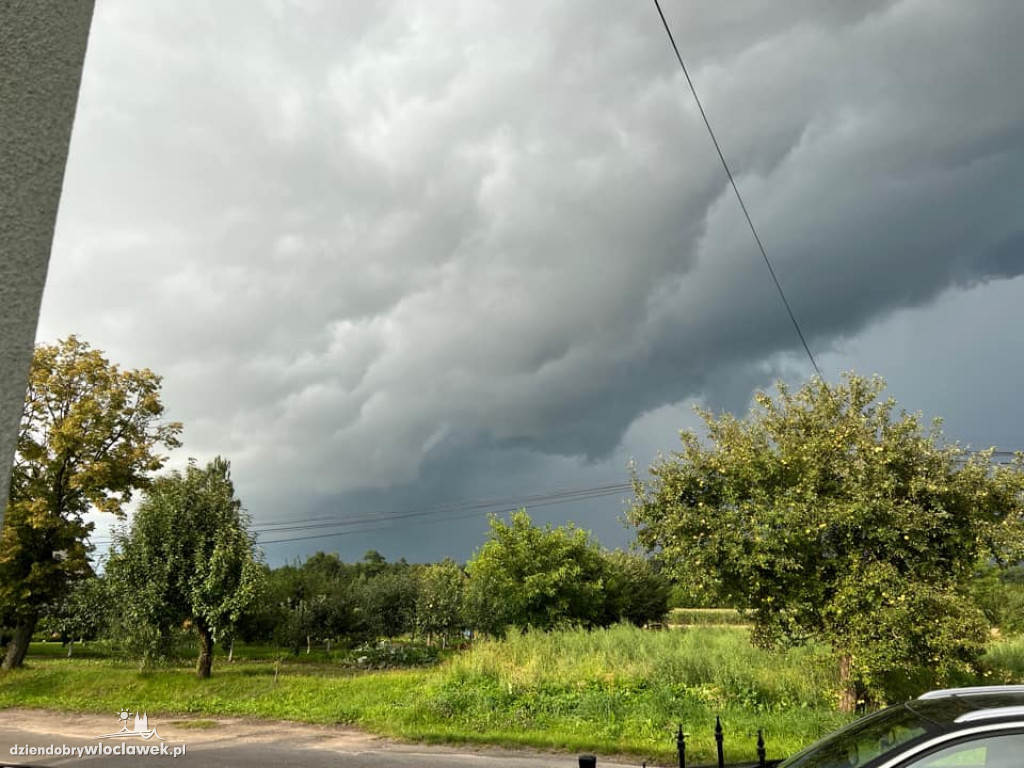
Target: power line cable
x,y
428,513
473,507
536,501
735,189
453,506
383,522
431,521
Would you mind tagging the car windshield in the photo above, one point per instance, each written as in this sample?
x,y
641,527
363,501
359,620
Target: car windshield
x,y
864,740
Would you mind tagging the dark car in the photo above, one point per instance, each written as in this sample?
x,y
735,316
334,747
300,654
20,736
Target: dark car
x,y
980,727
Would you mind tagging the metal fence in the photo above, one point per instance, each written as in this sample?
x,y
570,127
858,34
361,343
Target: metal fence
x,y
590,761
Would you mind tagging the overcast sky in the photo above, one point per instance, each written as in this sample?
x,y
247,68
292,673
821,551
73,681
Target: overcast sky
x,y
393,256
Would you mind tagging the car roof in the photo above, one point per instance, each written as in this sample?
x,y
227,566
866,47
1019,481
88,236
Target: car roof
x,y
953,708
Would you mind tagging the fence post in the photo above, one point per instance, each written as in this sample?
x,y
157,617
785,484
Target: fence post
x,y
588,761
681,746
761,754
719,737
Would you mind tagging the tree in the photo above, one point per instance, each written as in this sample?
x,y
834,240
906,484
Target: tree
x,y
313,602
372,564
88,438
187,558
828,516
305,619
388,601
441,605
81,614
540,577
327,569
634,591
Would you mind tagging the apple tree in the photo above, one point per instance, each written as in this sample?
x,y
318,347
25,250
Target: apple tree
x,y
827,515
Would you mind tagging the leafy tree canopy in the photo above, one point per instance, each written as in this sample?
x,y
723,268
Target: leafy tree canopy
x,y
829,515
388,601
188,557
441,600
88,438
540,577
634,591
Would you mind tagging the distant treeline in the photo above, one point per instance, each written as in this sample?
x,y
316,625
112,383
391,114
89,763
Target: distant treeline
x,y
523,576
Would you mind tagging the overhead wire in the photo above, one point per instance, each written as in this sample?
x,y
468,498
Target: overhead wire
x,y
518,501
391,523
465,509
527,501
736,191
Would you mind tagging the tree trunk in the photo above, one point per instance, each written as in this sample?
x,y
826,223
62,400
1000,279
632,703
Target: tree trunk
x,y
18,646
847,689
205,663
328,645
231,650
309,644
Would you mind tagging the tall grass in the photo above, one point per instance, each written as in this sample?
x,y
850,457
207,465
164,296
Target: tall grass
x,y
709,659
1004,660
625,689
706,617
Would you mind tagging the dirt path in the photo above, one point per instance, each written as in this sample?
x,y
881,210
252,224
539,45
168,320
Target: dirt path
x,y
239,734
211,729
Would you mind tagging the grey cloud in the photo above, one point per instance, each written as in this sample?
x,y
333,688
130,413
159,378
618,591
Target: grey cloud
x,y
354,237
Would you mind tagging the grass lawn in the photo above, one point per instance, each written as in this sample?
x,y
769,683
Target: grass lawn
x,y
616,691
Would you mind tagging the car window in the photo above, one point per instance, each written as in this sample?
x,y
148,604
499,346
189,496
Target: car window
x,y
1001,751
863,741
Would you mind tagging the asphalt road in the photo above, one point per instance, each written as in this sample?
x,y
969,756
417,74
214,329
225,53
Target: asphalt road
x,y
242,744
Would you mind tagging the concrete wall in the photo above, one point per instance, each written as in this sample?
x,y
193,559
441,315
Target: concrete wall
x,y
42,48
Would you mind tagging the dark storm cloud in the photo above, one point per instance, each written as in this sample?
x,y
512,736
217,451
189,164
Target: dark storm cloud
x,y
354,235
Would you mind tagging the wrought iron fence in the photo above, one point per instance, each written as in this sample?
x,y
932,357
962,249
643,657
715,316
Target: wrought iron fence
x,y
590,761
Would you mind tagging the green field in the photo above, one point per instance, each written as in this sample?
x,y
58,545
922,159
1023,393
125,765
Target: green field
x,y
617,691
